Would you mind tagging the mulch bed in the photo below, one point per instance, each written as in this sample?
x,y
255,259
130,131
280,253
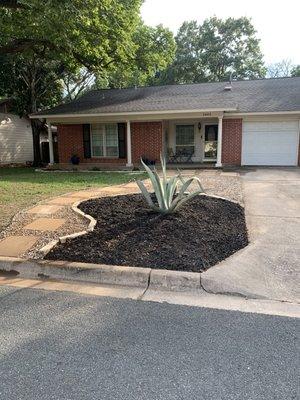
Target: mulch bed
x,y
203,232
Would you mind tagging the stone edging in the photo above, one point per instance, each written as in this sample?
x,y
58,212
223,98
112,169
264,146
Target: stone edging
x,y
62,239
101,274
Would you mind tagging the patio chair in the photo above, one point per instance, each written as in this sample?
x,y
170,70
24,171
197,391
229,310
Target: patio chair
x,y
172,157
149,162
184,155
189,154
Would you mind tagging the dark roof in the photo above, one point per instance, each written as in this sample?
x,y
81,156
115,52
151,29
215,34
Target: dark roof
x,y
262,95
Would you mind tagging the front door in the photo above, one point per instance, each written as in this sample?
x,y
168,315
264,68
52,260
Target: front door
x,y
211,142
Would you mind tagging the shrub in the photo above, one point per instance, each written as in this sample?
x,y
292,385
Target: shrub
x,y
167,192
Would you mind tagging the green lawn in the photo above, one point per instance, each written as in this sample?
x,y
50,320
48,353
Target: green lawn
x,y
22,187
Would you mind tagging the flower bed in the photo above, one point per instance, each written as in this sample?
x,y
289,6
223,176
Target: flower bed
x,y
202,233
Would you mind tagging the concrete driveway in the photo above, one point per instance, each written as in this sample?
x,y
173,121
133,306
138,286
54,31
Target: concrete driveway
x,y
269,267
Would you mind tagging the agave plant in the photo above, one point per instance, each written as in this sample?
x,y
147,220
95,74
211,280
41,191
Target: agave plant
x,y
172,193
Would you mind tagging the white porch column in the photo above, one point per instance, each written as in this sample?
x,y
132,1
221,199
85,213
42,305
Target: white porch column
x,y
128,138
219,148
50,139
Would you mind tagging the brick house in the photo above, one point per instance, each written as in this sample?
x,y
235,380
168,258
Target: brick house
x,y
253,122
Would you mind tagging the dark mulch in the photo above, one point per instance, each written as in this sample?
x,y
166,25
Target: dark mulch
x,y
203,232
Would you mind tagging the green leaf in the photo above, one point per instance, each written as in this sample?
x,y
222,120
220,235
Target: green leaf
x,y
146,195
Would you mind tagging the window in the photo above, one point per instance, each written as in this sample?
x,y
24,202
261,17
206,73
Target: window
x,y
211,142
104,140
185,138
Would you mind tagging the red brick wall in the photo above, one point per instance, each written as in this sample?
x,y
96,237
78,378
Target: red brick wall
x,y
70,141
232,141
146,140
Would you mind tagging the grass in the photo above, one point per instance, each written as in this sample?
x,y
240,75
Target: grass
x,y
23,187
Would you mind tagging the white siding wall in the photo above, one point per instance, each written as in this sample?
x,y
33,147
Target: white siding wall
x,y
15,139
199,135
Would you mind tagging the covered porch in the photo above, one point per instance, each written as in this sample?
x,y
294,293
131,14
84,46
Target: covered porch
x,y
195,142
186,140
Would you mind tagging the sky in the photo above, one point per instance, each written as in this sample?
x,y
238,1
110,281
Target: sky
x,y
277,22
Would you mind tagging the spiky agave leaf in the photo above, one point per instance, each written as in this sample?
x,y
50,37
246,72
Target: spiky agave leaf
x,y
155,180
171,189
146,195
165,189
186,198
182,197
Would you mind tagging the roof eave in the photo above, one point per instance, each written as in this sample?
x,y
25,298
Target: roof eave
x,y
132,113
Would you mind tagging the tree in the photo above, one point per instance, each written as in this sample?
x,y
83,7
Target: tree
x,y
295,71
280,69
154,52
47,41
32,84
214,50
77,83
93,33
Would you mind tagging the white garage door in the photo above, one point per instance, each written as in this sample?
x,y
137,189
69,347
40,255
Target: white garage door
x,y
270,143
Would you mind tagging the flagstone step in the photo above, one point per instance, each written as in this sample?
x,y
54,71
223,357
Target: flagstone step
x,y
45,224
44,209
14,246
64,201
85,194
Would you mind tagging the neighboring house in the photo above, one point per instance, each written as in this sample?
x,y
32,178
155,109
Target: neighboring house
x,y
15,137
240,123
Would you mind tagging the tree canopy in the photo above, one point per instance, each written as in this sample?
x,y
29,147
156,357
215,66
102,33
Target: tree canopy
x,y
44,45
154,52
282,69
279,69
214,49
93,33
295,71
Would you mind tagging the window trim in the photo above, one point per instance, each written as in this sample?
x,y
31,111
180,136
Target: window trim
x,y
185,145
193,125
104,140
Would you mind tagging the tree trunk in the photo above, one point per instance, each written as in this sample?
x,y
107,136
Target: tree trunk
x,y
36,126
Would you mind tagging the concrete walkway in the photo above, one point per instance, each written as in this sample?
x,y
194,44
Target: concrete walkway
x,y
269,267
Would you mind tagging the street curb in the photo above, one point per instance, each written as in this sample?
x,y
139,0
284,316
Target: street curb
x,y
101,274
73,271
174,280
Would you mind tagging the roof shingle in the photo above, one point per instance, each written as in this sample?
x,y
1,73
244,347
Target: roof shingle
x,y
262,95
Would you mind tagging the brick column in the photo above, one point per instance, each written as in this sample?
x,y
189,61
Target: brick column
x,y
232,141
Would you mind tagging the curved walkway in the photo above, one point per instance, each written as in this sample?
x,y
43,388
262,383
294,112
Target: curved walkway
x,y
36,227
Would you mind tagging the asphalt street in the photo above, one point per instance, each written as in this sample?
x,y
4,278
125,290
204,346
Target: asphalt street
x,y
65,346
